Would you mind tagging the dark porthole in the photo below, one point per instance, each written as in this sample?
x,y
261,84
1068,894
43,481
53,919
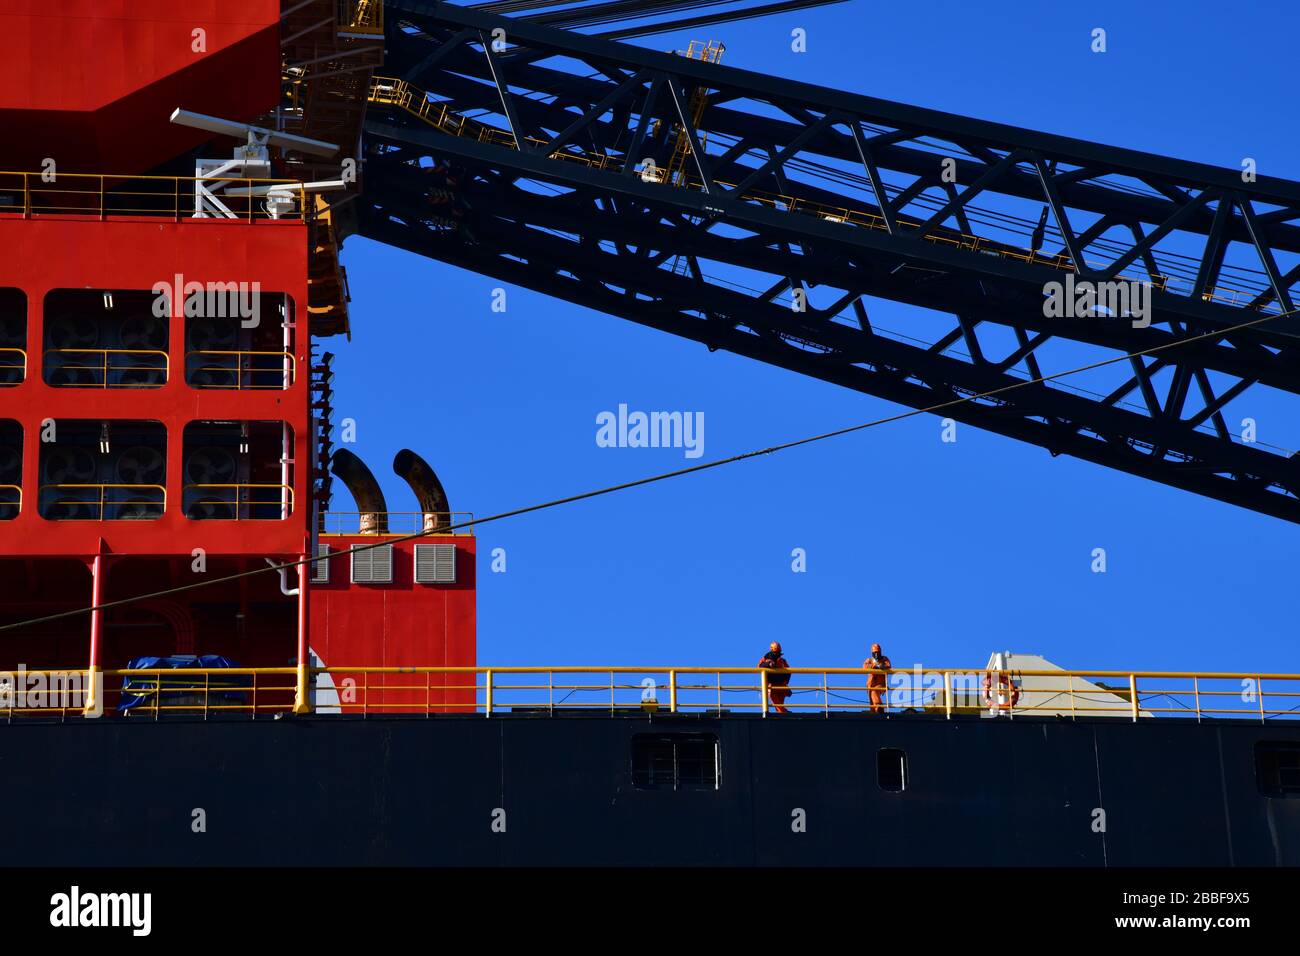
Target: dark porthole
x,y
891,770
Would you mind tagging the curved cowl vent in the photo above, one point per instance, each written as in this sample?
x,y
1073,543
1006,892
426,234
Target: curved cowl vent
x,y
352,471
429,493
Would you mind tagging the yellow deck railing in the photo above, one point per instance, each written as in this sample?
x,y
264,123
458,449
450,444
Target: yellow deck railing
x,y
102,365
394,92
625,691
251,370
102,196
103,502
246,501
13,366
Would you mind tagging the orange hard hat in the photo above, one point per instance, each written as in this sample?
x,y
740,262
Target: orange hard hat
x,y
875,647
776,646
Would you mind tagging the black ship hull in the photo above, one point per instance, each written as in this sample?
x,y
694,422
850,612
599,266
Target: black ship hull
x,y
572,790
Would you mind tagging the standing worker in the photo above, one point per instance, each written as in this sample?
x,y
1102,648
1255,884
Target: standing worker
x,y
878,664
778,684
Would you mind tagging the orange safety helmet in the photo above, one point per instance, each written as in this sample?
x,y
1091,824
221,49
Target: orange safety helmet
x,y
875,647
775,647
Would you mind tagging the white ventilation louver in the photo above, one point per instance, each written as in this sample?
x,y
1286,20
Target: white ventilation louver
x,y
435,564
373,565
320,570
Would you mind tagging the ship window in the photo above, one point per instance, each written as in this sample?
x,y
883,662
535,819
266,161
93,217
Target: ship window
x,y
891,770
105,338
103,470
1277,768
236,338
676,762
237,471
11,469
13,336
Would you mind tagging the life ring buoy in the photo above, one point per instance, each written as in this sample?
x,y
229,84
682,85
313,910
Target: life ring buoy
x,y
1002,693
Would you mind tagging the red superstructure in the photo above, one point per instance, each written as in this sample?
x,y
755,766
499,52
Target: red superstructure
x,y
164,419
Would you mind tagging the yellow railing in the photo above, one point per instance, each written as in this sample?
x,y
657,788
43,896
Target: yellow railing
x,y
8,366
45,693
399,93
947,692
108,363
257,369
350,523
96,498
247,501
623,691
99,196
361,16
11,502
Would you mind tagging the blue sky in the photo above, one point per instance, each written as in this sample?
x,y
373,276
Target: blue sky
x,y
943,552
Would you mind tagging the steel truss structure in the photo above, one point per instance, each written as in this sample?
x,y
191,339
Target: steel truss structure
x,y
716,204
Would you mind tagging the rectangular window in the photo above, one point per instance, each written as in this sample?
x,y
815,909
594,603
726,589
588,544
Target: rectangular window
x,y
676,762
891,770
1277,768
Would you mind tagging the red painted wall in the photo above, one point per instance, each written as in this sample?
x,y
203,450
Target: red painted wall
x,y
134,254
91,83
402,624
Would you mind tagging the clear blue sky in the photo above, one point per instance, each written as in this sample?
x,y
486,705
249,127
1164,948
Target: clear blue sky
x,y
943,552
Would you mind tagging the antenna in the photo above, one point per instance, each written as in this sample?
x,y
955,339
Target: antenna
x,y
256,135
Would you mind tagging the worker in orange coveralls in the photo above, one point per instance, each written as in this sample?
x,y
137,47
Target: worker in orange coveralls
x,y
778,684
876,681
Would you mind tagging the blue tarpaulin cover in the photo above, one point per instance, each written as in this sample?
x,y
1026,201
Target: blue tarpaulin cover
x,y
181,690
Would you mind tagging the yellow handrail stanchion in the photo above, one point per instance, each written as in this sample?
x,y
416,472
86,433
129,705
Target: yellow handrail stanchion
x,y
1133,690
947,695
488,706
762,688
672,692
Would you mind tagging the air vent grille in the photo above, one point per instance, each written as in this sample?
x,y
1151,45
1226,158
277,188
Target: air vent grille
x,y
373,565
435,564
320,570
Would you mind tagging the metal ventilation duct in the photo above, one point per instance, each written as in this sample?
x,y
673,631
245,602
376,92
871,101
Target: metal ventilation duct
x,y
415,471
352,471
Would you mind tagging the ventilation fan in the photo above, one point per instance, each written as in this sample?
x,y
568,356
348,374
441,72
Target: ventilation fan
x,y
209,377
144,332
70,504
209,508
73,332
138,511
141,378
70,510
141,465
69,466
211,335
11,466
13,332
209,465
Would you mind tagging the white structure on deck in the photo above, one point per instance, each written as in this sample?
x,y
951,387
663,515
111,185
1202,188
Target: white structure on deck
x,y
1044,695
